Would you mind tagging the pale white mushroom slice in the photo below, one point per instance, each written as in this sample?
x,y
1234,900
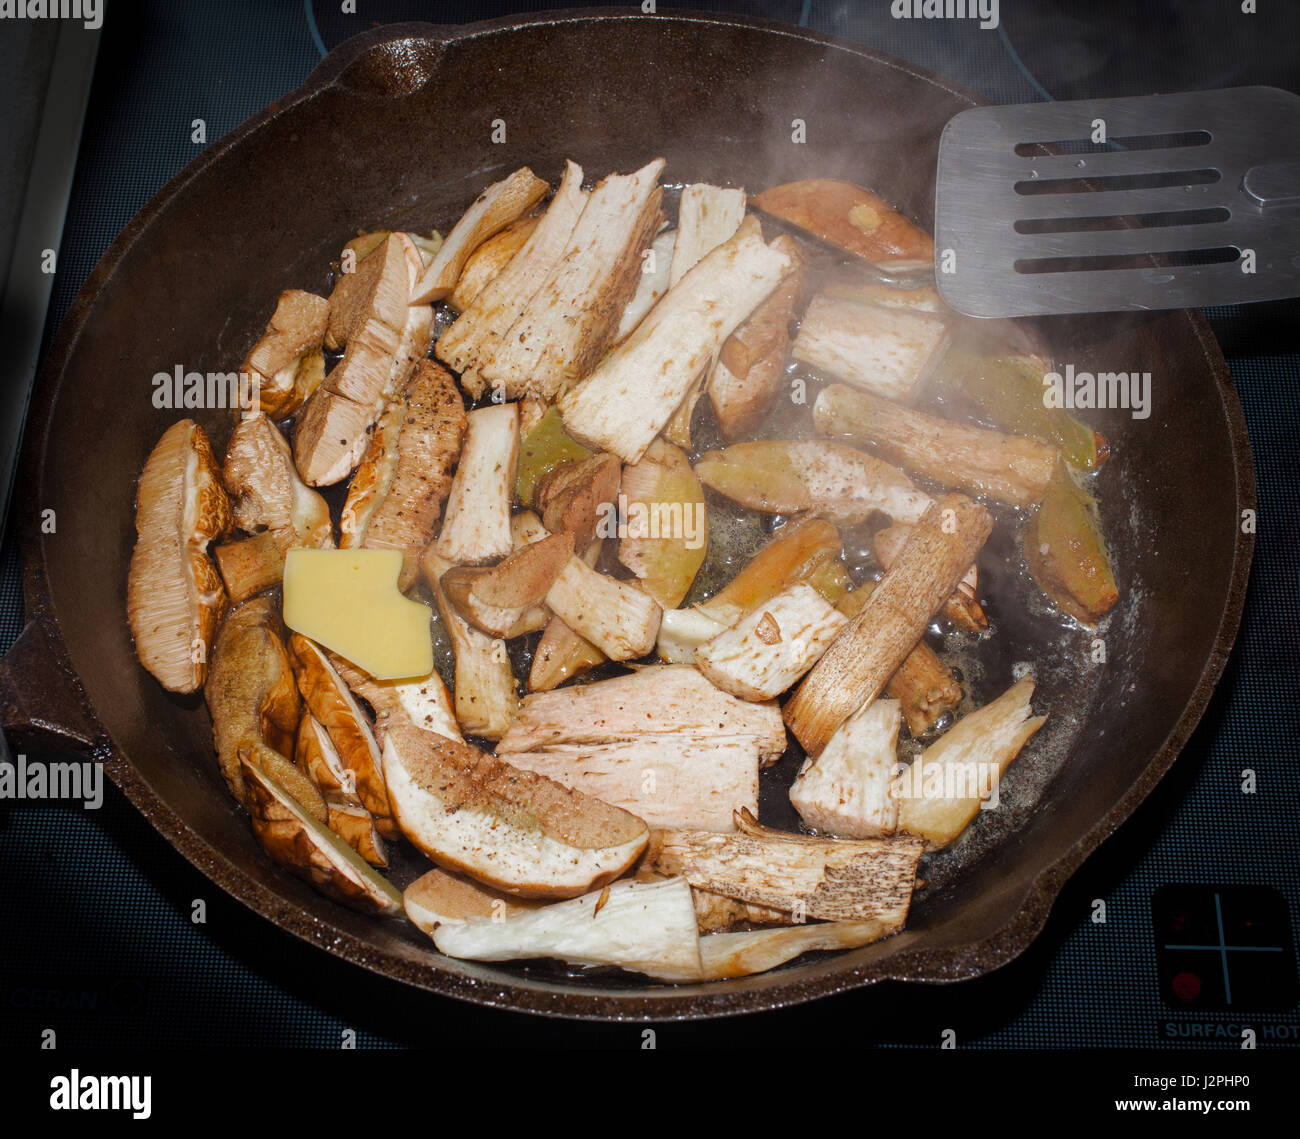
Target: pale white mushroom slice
x,y
488,260
882,349
520,832
745,952
706,217
941,792
174,595
656,262
682,631
634,391
573,317
766,651
424,703
846,792
493,210
615,616
476,526
658,700
692,782
644,927
471,341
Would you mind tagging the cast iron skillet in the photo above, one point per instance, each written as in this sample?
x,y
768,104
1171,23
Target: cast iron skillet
x,y
394,130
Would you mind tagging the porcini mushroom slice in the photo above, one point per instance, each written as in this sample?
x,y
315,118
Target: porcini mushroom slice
x,y
882,350
580,497
839,879
942,791
424,703
656,263
962,607
644,927
476,526
331,702
706,217
488,260
846,792
746,377
868,651
561,655
303,844
396,497
254,703
852,218
375,321
573,317
745,952
1010,468
765,652
174,596
440,896
493,210
665,536
634,391
520,832
283,360
615,616
829,480
473,339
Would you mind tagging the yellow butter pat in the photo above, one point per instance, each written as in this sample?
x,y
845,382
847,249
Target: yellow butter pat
x,y
348,602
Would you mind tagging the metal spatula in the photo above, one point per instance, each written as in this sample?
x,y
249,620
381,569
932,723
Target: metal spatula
x,y
1153,202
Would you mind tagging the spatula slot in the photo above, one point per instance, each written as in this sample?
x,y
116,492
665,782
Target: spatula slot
x,y
1171,260
1128,142
1121,221
1030,186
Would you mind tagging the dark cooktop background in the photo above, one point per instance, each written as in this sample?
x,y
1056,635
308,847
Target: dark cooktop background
x,y
96,939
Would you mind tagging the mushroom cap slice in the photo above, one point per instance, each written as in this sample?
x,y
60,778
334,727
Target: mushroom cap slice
x,y
254,702
174,595
265,489
295,839
512,829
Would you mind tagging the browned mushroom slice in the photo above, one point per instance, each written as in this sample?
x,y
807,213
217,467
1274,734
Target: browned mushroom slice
x,y
573,317
493,210
294,838
174,596
561,655
780,476
523,833
868,651
634,391
423,703
852,218
471,341
578,495
962,608
746,377
373,318
476,526
318,759
331,703
488,260
396,497
271,503
1010,468
254,704
836,879
286,363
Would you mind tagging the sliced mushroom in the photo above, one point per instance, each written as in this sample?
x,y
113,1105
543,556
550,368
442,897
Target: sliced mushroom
x,y
174,596
488,260
667,526
615,616
577,496
286,363
254,703
520,832
476,527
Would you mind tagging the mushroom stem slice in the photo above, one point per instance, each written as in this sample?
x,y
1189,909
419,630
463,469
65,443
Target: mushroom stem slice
x,y
868,651
706,217
745,952
642,927
493,210
174,595
561,655
476,528
618,618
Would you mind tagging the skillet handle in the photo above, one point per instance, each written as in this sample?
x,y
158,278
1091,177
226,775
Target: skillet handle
x,y
41,709
389,61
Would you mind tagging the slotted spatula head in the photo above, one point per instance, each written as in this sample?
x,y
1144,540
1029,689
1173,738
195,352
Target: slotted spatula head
x,y
1102,205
